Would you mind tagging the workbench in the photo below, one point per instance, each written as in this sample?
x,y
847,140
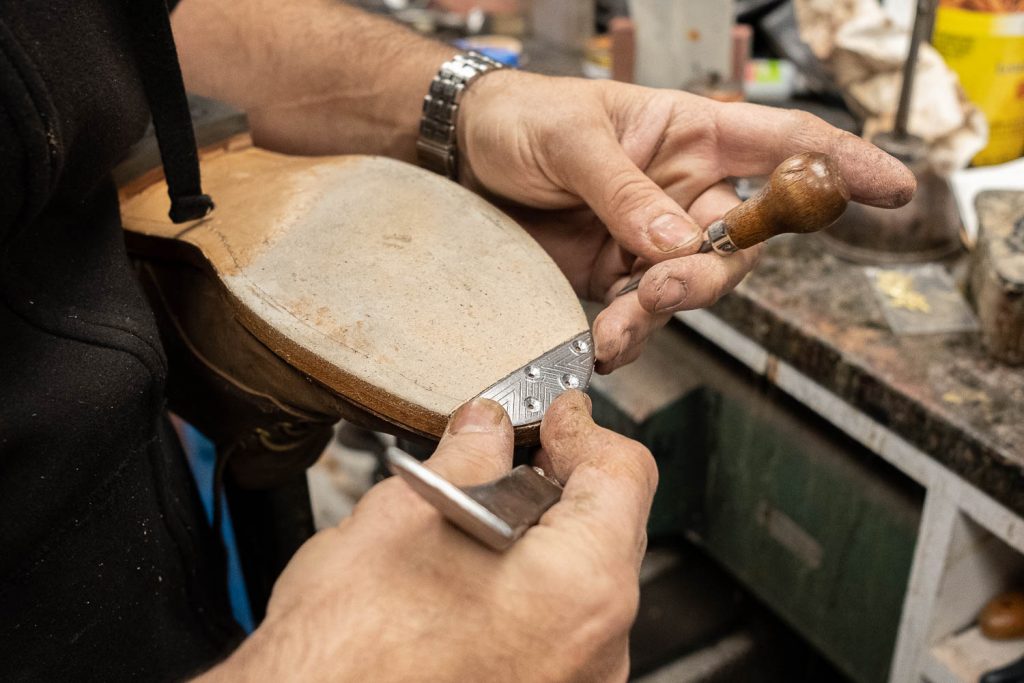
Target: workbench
x,y
866,486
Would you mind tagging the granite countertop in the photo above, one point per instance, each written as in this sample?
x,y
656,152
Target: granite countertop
x,y
940,392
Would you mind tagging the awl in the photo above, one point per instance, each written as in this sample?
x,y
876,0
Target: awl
x,y
805,193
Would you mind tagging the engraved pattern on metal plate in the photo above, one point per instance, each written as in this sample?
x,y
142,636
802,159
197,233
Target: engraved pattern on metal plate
x,y
527,393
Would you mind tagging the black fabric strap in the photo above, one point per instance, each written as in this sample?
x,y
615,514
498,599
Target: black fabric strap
x,y
165,92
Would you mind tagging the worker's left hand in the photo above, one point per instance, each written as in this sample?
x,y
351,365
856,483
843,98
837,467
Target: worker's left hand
x,y
651,166
395,593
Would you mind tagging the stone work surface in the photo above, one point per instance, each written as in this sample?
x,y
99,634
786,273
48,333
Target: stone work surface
x,y
940,392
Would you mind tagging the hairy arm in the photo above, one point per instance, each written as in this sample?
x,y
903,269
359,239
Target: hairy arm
x,y
314,76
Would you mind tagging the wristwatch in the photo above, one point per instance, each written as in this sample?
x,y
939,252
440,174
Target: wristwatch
x,y
436,147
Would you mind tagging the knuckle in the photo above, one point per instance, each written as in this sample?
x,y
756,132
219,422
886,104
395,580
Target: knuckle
x,y
700,120
627,193
566,423
627,459
644,463
718,289
805,131
801,120
630,354
618,329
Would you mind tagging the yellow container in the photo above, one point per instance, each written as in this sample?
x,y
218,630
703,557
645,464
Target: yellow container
x,y
986,49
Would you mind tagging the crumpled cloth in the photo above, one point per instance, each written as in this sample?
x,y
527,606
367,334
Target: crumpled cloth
x,y
865,51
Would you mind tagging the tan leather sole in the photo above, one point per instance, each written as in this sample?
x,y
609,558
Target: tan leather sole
x,y
398,290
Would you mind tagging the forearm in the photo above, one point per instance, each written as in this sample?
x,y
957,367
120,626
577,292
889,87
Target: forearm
x,y
314,76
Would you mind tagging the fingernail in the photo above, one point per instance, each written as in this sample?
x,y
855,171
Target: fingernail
x,y
672,293
670,231
478,415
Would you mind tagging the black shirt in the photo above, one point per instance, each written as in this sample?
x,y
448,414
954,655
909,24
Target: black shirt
x,y
107,567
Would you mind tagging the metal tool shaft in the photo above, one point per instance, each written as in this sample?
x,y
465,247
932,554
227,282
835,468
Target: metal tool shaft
x,y
496,514
922,24
804,194
634,284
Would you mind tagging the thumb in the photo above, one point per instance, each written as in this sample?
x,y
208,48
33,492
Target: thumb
x,y
637,213
476,446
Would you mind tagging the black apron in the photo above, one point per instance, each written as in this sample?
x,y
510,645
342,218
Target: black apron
x,y
108,570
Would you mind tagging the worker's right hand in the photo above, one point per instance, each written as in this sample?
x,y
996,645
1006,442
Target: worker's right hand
x,y
395,593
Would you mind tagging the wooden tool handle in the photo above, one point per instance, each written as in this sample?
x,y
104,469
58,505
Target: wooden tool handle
x,y
805,193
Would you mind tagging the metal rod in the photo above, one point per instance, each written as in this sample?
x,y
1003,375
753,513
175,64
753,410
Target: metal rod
x,y
922,24
634,284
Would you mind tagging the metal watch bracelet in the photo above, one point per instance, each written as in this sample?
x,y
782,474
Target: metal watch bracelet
x,y
436,147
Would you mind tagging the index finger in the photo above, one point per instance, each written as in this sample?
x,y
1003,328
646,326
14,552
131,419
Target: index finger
x,y
754,139
609,479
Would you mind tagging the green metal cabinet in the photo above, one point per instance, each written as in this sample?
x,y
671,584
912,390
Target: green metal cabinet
x,y
810,522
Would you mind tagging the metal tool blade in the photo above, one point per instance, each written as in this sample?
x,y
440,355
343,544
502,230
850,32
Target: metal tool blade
x,y
496,514
634,284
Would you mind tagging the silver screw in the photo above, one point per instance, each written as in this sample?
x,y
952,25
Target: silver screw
x,y
569,381
580,346
532,371
532,404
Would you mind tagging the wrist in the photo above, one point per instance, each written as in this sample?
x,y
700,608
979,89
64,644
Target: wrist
x,y
481,111
437,144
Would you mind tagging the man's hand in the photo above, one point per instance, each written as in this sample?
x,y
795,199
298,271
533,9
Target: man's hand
x,y
651,165
395,593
